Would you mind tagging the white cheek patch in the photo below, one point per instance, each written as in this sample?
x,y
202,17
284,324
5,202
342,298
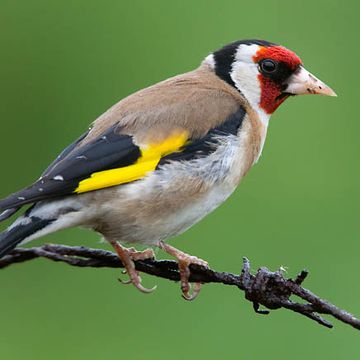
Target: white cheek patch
x,y
245,73
245,78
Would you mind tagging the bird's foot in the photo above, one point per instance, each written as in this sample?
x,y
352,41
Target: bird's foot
x,y
184,261
127,257
141,255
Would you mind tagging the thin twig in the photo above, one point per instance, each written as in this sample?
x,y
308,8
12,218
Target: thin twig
x,y
269,289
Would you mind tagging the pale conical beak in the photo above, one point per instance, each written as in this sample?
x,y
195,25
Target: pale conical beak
x,y
303,82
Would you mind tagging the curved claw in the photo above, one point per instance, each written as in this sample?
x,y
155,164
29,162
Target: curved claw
x,y
196,290
184,261
136,281
124,282
127,256
144,289
138,285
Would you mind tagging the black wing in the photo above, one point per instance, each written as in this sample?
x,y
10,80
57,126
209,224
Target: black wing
x,y
108,151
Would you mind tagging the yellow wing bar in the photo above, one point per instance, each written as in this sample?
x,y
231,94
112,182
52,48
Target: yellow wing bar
x,y
150,157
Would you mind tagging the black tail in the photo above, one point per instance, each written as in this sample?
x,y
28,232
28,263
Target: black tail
x,y
7,213
26,227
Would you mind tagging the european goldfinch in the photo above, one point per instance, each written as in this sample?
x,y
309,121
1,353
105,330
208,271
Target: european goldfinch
x,y
161,159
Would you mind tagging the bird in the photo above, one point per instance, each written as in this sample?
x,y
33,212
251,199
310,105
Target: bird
x,y
161,159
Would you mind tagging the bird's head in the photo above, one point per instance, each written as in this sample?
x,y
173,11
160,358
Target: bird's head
x,y
265,73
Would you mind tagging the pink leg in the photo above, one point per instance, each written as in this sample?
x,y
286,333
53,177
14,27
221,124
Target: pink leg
x,y
184,260
127,257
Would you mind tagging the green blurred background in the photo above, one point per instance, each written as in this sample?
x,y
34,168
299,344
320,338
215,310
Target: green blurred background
x,y
63,63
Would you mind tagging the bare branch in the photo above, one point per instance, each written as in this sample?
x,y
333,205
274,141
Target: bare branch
x,y
269,289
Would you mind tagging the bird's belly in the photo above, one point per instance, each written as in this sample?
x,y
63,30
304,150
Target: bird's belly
x,y
173,198
181,219
189,215
152,219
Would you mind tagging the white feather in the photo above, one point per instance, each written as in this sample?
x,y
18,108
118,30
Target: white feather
x,y
245,76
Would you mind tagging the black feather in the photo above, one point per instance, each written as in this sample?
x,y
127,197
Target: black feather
x,y
10,238
65,153
7,213
225,56
109,151
207,144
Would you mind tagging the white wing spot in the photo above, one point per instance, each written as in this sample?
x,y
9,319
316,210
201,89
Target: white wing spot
x,y
21,198
82,157
58,178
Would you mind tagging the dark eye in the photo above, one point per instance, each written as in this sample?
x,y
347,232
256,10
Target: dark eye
x,y
268,66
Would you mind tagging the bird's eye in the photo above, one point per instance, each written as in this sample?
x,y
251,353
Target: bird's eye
x,y
268,66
